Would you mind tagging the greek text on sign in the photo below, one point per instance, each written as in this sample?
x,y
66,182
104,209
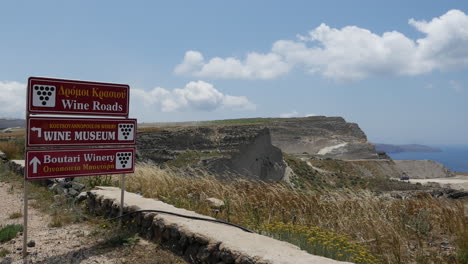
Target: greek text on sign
x,y
46,164
47,131
56,96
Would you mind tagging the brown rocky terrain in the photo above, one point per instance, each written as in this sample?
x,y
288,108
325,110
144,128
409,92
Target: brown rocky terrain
x,y
246,150
254,147
53,241
329,137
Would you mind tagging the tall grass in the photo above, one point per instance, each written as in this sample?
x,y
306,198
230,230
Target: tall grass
x,y
14,149
396,231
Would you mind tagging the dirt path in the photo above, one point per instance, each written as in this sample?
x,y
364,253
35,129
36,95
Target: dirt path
x,y
459,182
73,243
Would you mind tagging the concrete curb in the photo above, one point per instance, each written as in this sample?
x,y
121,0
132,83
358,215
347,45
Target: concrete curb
x,y
197,241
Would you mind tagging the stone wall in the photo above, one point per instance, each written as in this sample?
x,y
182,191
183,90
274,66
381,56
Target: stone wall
x,y
17,166
197,241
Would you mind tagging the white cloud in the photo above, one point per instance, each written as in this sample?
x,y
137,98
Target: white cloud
x,y
255,66
12,99
237,102
200,96
446,44
349,53
294,113
192,61
457,87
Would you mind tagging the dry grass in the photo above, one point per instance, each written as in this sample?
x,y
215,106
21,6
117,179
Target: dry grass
x,y
14,149
15,215
16,134
396,231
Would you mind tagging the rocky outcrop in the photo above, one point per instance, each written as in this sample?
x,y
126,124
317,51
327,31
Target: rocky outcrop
x,y
423,169
245,150
66,187
17,166
328,137
325,137
3,157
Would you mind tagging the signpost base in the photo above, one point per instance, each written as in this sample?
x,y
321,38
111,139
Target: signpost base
x,y
122,192
25,222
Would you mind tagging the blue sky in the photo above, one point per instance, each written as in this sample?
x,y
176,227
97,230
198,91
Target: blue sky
x,y
397,68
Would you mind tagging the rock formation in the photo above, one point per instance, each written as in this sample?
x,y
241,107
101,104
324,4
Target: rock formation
x,y
246,150
329,137
254,149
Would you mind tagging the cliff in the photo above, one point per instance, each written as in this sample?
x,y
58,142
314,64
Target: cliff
x,y
321,136
252,147
246,150
328,137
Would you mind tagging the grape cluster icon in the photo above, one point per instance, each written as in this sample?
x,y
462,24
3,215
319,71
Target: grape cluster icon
x,y
126,131
44,95
124,160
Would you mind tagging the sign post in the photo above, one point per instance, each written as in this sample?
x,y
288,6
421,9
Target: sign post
x,y
122,192
25,221
106,145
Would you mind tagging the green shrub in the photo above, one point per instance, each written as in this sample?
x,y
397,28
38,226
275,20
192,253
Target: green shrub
x,y
9,232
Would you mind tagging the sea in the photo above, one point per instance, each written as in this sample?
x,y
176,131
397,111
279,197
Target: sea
x,y
454,157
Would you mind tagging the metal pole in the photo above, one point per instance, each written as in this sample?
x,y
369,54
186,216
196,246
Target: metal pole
x,y
122,191
25,221
25,195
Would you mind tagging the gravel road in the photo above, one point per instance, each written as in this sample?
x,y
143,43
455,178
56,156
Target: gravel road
x,y
73,243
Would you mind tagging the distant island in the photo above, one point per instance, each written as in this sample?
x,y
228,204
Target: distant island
x,y
389,148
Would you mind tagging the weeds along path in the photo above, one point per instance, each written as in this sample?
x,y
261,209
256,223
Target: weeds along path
x,y
86,242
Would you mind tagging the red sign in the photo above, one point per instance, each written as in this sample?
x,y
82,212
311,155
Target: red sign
x,y
47,164
54,132
56,96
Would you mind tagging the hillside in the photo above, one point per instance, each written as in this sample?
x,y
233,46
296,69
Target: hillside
x,y
5,123
327,137
239,149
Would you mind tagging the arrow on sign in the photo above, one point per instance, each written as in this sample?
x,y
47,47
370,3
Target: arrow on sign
x,y
34,162
38,129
